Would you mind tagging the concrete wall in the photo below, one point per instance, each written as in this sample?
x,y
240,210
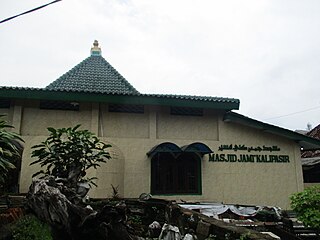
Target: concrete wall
x,y
133,135
306,185
252,182
35,121
186,127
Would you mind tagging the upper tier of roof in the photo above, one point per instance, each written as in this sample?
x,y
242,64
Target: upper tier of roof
x,y
94,74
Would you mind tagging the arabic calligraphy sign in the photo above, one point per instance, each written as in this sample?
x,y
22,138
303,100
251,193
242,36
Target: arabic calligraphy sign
x,y
249,149
249,158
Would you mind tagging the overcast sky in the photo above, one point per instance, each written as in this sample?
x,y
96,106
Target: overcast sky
x,y
265,53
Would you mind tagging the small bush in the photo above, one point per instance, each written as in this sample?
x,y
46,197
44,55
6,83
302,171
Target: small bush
x,y
307,206
31,228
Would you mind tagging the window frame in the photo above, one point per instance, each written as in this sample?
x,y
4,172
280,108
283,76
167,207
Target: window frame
x,y
188,160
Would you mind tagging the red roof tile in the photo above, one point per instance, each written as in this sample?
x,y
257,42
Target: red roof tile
x,y
315,133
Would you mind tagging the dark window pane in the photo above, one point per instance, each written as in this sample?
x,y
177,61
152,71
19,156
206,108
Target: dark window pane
x,y
312,175
175,175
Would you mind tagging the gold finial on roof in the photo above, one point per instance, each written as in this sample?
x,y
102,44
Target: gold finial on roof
x,y
95,50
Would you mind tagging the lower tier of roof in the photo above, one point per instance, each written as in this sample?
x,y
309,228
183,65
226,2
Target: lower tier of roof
x,y
114,97
307,143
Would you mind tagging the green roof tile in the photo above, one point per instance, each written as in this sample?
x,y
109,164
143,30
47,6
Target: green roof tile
x,y
94,74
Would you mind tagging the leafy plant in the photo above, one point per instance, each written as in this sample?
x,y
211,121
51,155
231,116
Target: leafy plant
x,y
135,219
266,216
245,236
115,192
31,228
212,237
9,151
227,236
307,206
68,153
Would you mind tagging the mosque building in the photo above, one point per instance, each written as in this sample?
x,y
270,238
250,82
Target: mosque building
x,y
193,148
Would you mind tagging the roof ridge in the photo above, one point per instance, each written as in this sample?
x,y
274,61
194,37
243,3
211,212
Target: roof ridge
x,y
193,97
119,74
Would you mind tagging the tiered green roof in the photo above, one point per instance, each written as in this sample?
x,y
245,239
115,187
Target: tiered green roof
x,y
95,80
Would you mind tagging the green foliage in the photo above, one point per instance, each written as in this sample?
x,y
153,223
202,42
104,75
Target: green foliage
x,y
135,219
307,206
266,216
212,237
69,152
245,236
31,228
115,193
9,151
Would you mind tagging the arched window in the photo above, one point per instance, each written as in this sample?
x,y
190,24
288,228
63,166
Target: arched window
x,y
177,170
176,173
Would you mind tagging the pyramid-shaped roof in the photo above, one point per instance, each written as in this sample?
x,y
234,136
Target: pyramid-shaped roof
x,y
94,74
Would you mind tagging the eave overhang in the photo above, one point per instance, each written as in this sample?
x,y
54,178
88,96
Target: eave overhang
x,y
119,98
197,147
168,147
307,143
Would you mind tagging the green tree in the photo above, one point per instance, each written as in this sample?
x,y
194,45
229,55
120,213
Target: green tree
x,y
9,150
68,153
307,206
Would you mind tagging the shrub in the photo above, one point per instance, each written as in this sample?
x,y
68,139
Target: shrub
x,y
31,228
68,153
307,206
9,150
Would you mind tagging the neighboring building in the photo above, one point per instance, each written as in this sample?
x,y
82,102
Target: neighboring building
x,y
311,161
173,146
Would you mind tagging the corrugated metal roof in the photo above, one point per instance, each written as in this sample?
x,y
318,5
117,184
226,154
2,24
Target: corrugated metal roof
x,y
310,161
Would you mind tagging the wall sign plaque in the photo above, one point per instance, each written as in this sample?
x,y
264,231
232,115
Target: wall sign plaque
x,y
262,154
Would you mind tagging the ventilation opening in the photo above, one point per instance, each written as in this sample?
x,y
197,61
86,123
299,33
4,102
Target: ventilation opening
x,y
5,103
126,108
186,111
59,105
